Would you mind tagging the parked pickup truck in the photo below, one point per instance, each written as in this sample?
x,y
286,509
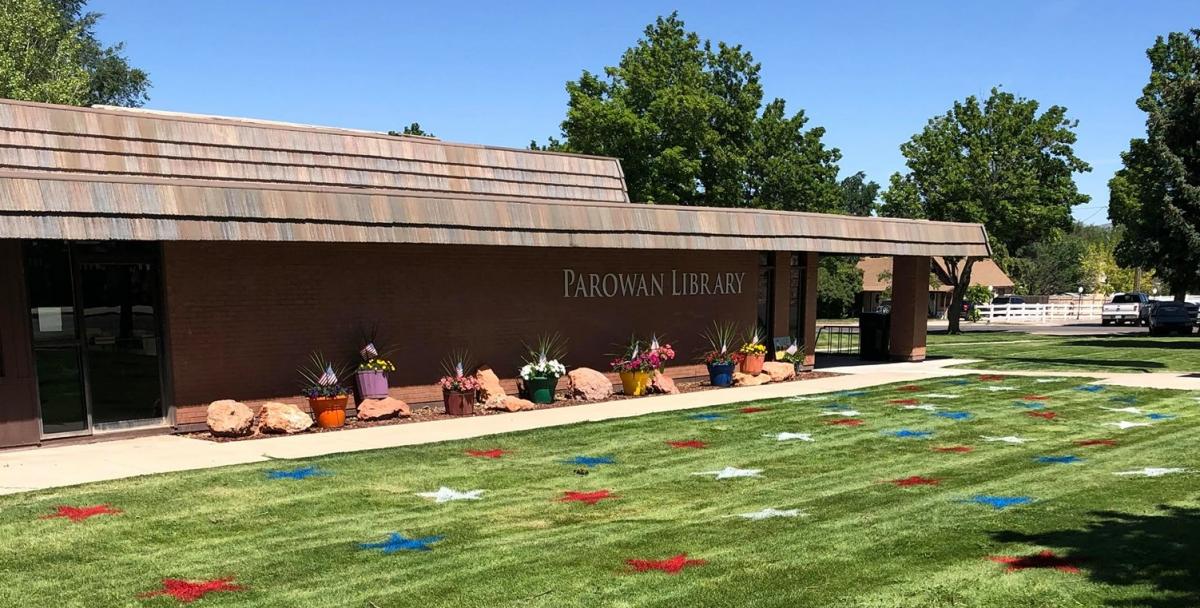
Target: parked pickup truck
x,y
1126,308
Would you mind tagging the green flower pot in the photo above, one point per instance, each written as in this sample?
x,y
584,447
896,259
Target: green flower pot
x,y
541,390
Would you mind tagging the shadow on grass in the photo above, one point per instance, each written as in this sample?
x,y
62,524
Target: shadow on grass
x,y
1181,344
1088,363
1114,548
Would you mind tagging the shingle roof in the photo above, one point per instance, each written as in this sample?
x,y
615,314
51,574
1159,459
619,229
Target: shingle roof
x,y
113,173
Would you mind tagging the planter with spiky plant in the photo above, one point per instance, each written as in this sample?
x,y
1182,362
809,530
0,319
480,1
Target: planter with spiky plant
x,y
721,357
542,369
752,354
327,396
460,389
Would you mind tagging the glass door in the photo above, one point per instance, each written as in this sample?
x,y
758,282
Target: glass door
x,y
96,335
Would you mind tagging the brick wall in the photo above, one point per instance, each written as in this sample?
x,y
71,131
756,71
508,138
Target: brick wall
x,y
242,316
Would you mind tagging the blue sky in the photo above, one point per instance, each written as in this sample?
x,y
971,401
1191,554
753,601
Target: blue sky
x,y
871,73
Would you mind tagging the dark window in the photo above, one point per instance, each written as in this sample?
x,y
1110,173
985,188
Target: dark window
x,y
766,292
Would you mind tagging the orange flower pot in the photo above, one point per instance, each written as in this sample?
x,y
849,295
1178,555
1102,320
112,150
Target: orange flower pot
x,y
330,412
753,364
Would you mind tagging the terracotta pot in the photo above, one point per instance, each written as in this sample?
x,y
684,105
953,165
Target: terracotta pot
x,y
371,384
752,364
330,412
459,403
635,383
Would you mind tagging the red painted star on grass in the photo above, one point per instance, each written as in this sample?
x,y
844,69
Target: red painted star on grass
x,y
190,591
904,401
845,421
961,449
82,513
991,378
916,480
492,453
1087,442
671,565
1048,415
1045,559
590,498
754,410
690,443
910,388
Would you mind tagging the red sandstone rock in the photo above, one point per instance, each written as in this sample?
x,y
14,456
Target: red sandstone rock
x,y
588,384
277,417
662,383
740,379
489,384
779,371
229,418
509,403
378,409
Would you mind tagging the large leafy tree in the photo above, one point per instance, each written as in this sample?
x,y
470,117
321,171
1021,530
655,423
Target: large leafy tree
x,y
999,163
1155,196
49,52
688,122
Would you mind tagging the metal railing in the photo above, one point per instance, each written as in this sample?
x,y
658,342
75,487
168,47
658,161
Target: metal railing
x,y
838,340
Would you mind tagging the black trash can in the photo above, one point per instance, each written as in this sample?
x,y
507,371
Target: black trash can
x,y
874,336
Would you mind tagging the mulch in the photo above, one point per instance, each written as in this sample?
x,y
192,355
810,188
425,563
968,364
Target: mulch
x,y
428,412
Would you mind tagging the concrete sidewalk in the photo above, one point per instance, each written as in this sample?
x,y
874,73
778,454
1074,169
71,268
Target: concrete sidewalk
x,y
41,468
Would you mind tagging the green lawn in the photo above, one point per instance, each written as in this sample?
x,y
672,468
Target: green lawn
x,y
862,541
1020,351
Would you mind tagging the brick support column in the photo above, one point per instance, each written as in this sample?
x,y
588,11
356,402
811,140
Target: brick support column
x,y
910,307
811,262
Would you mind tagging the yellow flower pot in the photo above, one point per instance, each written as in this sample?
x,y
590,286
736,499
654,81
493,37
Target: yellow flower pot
x,y
635,383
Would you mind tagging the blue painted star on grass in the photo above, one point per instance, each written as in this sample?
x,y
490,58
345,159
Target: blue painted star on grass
x,y
1129,399
591,461
1000,502
1158,416
1058,459
300,473
397,542
706,416
851,393
1030,405
954,415
958,382
910,434
1091,388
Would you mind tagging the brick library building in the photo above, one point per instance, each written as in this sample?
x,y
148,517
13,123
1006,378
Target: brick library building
x,y
152,262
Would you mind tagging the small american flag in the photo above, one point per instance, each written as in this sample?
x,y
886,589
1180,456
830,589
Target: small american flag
x,y
328,378
368,351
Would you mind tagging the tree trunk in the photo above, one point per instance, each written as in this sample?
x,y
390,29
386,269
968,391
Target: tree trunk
x,y
1181,296
961,279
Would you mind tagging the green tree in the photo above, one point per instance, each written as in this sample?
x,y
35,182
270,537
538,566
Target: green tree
x,y
998,163
1155,196
860,196
1049,267
838,286
412,129
49,53
688,122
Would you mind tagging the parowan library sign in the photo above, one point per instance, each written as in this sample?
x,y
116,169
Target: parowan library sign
x,y
621,284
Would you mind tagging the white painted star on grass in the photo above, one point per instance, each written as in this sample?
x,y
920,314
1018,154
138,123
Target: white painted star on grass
x,y
730,472
1124,410
769,512
1006,439
941,395
844,413
444,494
1044,380
786,436
1125,424
811,398
920,406
996,389
1152,471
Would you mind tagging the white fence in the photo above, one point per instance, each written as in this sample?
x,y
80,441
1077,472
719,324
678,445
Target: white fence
x,y
1084,310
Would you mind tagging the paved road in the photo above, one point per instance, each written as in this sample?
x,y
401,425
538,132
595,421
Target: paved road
x,y
1069,329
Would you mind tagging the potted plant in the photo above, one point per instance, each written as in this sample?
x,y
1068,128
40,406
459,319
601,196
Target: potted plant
x,y
327,396
542,369
638,362
720,357
371,376
459,389
752,354
793,354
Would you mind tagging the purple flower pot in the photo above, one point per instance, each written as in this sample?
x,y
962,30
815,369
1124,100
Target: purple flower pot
x,y
371,384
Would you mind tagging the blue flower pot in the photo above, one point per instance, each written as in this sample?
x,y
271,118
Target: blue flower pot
x,y
720,374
